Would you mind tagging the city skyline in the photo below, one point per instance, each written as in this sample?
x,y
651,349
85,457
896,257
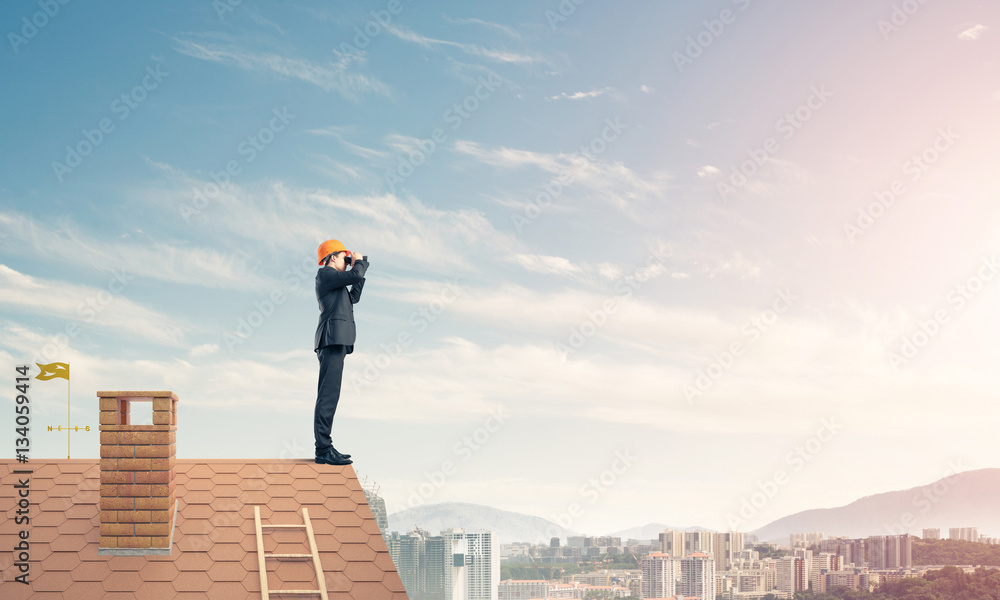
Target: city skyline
x,y
628,265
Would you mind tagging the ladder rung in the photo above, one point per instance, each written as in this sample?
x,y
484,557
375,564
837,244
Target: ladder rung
x,y
261,556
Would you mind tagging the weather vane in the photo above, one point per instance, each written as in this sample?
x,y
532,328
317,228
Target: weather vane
x,y
51,371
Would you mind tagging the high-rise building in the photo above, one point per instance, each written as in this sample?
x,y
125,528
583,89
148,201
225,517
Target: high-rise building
x,y
791,576
807,564
407,553
434,567
858,550
698,576
658,578
481,562
726,545
437,555
746,555
377,504
805,539
822,563
752,580
851,552
890,551
903,551
877,552
931,534
444,565
698,541
969,534
392,543
672,543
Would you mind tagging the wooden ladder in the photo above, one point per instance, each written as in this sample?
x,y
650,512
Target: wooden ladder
x,y
314,555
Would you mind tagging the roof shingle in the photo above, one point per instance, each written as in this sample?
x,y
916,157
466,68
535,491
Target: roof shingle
x,y
215,548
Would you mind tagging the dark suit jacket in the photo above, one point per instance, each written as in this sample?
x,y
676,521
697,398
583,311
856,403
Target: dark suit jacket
x,y
336,304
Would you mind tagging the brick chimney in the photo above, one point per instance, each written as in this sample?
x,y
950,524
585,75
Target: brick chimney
x,y
138,463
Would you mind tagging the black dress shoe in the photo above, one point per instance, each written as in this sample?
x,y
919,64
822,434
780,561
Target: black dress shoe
x,y
337,452
331,458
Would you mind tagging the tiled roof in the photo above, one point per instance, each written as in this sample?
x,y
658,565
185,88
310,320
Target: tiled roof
x,y
215,545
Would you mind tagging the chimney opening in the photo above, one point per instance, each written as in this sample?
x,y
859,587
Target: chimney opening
x,y
140,411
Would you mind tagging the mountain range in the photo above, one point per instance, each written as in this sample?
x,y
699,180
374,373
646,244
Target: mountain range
x,y
965,499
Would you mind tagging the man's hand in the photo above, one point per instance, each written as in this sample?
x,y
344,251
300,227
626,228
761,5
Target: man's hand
x,y
356,256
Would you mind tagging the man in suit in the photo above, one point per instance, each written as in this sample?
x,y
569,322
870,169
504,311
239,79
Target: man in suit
x,y
335,336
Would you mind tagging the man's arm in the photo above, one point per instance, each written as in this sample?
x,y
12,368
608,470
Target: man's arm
x,y
358,286
329,278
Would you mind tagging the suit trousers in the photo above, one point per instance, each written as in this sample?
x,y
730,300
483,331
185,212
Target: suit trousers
x,y
331,374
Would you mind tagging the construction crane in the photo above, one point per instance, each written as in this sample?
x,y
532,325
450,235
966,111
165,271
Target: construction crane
x,y
535,564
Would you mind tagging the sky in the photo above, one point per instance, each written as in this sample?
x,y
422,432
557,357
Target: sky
x,y
695,263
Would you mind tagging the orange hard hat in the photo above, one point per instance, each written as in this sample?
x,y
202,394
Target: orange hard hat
x,y
329,247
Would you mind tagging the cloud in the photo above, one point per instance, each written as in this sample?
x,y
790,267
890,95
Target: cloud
x,y
405,144
472,74
502,56
640,320
211,381
297,217
456,377
737,265
204,350
689,260
972,34
259,19
581,95
778,176
775,178
645,89
609,271
708,171
496,26
338,134
164,260
82,305
342,171
647,272
611,180
538,263
332,76
785,363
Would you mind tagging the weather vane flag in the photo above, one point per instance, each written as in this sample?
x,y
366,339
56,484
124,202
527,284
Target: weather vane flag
x,y
51,371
